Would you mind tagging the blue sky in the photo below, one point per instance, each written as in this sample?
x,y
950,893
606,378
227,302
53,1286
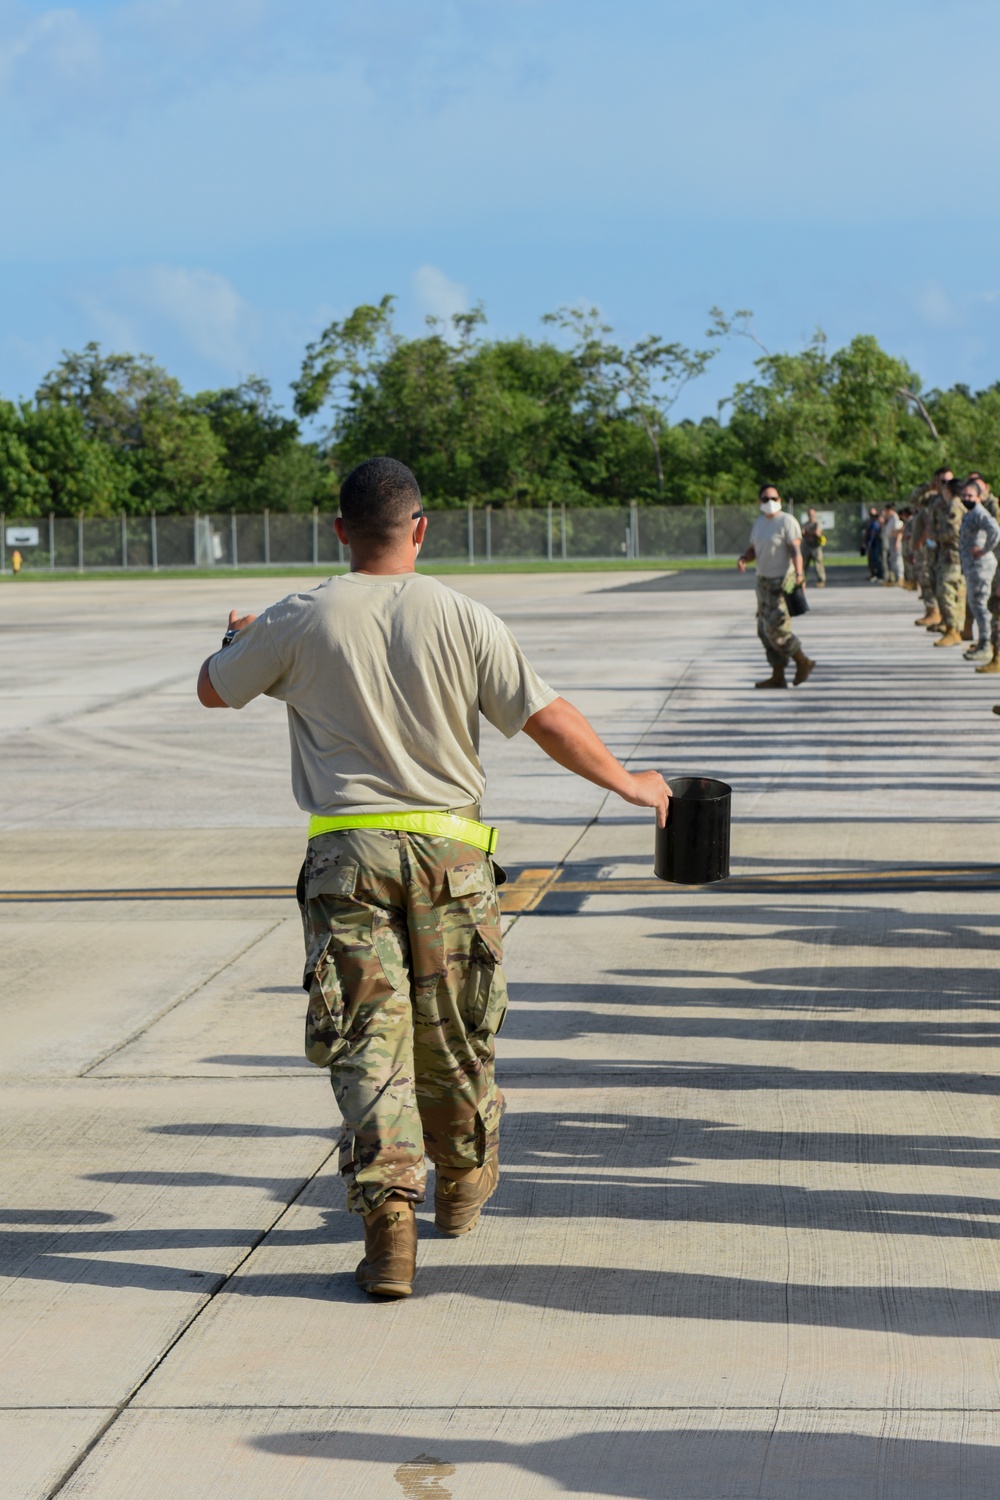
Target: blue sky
x,y
210,181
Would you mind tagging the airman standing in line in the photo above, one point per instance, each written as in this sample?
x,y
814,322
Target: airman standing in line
x,y
892,555
980,533
907,517
944,525
924,555
989,503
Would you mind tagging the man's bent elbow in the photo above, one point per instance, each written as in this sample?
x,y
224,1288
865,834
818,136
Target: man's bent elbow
x,y
207,696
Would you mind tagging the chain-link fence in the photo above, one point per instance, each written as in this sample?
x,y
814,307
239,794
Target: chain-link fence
x,y
473,535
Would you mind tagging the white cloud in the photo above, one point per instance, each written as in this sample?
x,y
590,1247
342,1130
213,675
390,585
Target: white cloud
x,y
54,49
202,307
936,307
437,295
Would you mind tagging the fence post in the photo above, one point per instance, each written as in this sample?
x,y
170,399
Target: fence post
x,y
548,531
52,543
489,533
154,556
562,528
3,542
315,536
79,541
635,528
472,534
267,537
233,541
709,528
124,541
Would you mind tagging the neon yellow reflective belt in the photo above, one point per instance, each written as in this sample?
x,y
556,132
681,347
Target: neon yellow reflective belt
x,y
441,825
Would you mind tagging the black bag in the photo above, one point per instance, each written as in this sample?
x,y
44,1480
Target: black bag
x,y
796,600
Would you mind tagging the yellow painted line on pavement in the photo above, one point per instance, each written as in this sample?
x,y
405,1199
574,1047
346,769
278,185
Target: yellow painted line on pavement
x,y
533,884
157,893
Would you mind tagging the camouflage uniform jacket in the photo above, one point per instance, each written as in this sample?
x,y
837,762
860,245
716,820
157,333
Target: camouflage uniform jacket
x,y
907,538
921,499
944,524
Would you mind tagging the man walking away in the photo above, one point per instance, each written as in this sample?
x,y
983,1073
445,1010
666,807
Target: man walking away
x,y
979,534
892,532
944,524
813,542
775,544
384,673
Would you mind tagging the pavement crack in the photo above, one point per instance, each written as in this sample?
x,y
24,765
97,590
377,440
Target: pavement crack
x,y
179,1000
223,1281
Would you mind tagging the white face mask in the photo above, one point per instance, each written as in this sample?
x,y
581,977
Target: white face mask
x,y
770,507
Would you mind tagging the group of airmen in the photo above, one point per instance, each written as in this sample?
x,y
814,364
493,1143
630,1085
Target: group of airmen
x,y
948,542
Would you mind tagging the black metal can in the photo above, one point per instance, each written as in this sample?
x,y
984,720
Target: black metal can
x,y
693,849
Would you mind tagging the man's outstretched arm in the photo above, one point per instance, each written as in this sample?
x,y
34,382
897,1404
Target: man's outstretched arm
x,y
567,738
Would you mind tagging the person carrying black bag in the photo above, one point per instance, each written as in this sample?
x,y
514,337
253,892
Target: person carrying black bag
x,y
775,543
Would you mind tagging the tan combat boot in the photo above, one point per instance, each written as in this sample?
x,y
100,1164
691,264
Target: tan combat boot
x,y
991,666
459,1195
951,637
390,1261
803,666
932,616
776,679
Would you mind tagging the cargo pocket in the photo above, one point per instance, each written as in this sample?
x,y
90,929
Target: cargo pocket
x,y
486,990
327,889
325,1019
465,882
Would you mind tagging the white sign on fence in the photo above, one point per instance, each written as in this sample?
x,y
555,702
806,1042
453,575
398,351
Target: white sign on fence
x,y
22,536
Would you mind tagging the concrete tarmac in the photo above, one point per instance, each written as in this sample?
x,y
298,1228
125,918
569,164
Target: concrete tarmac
x,y
745,1243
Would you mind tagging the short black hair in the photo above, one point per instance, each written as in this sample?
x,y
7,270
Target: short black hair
x,y
939,473
378,498
767,486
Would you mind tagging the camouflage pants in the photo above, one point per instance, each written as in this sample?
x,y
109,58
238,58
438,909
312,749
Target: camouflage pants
x,y
406,995
979,587
949,590
925,577
813,557
774,623
994,609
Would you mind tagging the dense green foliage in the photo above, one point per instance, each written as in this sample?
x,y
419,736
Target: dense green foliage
x,y
572,418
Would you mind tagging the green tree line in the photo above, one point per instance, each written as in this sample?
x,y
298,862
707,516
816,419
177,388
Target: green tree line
x,y
573,417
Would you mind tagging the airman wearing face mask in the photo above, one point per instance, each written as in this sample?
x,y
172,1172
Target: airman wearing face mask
x,y
775,544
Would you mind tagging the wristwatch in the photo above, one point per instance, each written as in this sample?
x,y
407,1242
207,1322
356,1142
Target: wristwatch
x,y
229,637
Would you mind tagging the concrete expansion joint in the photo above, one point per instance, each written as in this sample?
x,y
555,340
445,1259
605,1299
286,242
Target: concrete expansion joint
x,y
221,1283
187,994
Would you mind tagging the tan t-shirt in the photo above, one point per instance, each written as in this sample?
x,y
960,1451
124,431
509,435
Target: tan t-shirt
x,y
384,679
769,539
